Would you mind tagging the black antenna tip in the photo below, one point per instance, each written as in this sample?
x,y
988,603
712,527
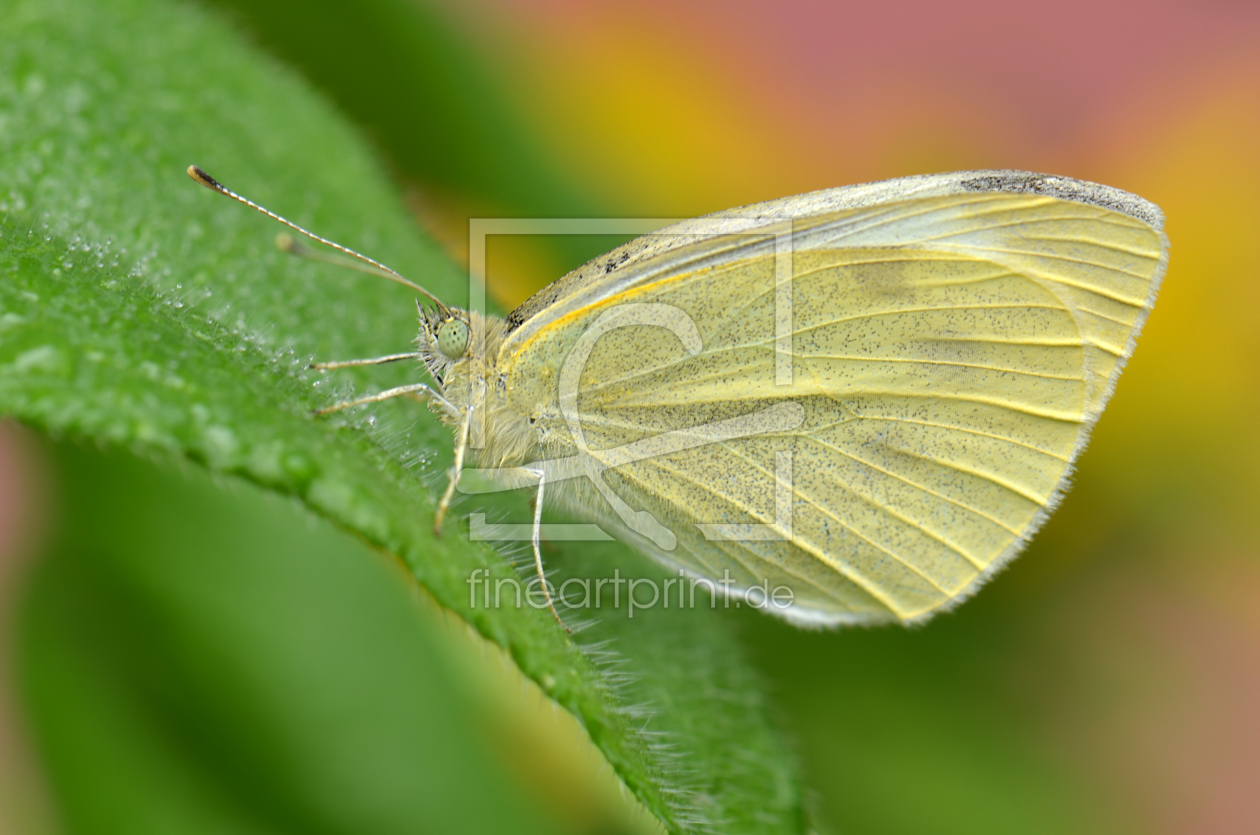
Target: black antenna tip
x,y
204,178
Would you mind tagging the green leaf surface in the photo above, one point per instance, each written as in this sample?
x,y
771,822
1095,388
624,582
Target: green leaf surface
x,y
428,102
142,312
200,659
421,95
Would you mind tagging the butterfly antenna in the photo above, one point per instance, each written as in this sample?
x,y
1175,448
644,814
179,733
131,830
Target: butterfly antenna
x,y
292,246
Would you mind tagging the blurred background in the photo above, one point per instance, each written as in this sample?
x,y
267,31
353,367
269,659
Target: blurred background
x,y
1109,681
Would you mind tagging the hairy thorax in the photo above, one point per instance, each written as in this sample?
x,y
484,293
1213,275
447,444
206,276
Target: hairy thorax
x,y
500,436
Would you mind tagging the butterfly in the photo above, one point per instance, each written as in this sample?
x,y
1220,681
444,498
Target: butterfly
x,y
871,395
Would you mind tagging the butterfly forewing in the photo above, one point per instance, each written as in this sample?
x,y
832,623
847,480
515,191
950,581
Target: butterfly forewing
x,y
948,356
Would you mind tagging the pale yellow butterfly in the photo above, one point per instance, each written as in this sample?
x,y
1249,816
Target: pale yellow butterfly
x,y
872,396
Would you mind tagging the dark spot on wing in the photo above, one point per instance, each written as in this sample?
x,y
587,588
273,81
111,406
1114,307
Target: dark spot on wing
x,y
1022,182
561,287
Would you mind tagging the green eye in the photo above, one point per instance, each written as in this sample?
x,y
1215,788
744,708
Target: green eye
x,y
453,338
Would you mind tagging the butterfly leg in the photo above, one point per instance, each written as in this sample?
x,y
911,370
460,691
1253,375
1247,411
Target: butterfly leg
x,y
331,366
537,540
461,448
414,389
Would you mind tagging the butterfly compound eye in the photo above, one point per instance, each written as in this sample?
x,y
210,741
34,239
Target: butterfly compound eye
x,y
453,338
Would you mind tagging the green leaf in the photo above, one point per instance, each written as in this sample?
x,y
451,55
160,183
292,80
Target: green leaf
x,y
140,311
427,102
207,660
422,95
